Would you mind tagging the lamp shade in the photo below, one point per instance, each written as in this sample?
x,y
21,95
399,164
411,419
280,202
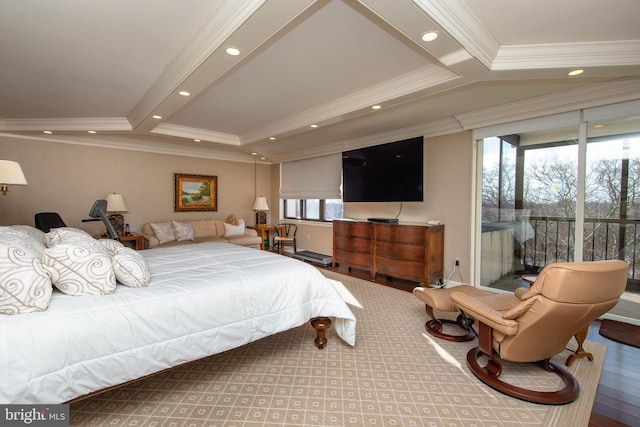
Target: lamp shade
x,y
11,173
115,203
260,204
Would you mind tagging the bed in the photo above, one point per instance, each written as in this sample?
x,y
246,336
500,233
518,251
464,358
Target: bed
x,y
201,299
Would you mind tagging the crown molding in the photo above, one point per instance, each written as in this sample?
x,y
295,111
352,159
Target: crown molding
x,y
227,17
194,133
560,102
428,130
77,124
388,93
141,146
458,21
562,55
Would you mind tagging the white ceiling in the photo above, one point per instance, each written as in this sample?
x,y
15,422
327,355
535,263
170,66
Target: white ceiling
x,y
70,66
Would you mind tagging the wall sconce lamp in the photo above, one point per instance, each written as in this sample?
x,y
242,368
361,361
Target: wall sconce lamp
x,y
261,208
10,173
115,205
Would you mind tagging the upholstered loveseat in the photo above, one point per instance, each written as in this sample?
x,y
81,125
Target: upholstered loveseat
x,y
172,233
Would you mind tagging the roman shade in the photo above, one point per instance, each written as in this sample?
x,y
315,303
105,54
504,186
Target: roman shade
x,y
315,178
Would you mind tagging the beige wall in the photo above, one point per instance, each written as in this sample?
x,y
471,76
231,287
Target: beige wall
x,y
447,197
68,178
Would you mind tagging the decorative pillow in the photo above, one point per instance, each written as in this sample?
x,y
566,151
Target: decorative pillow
x,y
111,246
231,219
163,231
233,230
183,231
24,285
131,269
66,235
81,268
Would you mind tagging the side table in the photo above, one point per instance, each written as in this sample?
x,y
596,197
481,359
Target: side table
x,y
136,239
263,229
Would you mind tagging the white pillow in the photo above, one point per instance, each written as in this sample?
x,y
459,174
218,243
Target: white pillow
x,y
81,268
183,231
66,235
163,231
24,285
233,230
111,246
131,269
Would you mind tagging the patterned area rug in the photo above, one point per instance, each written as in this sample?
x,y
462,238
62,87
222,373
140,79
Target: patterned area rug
x,y
621,332
396,375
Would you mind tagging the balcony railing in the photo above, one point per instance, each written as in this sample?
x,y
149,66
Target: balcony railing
x,y
552,239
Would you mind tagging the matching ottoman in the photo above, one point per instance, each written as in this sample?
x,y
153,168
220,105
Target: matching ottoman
x,y
440,299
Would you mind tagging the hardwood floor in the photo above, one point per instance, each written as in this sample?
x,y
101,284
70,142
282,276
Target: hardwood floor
x,y
617,401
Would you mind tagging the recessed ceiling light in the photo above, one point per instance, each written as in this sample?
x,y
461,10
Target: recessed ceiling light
x,y
157,117
184,93
233,51
576,72
91,131
376,107
598,126
272,138
196,140
48,132
314,126
254,154
263,158
430,36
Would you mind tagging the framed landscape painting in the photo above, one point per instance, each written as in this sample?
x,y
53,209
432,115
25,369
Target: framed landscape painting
x,y
195,193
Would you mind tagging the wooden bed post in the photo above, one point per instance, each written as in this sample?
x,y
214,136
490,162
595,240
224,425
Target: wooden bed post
x,y
321,324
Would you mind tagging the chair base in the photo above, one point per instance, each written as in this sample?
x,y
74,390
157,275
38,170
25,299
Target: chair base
x,y
491,371
434,327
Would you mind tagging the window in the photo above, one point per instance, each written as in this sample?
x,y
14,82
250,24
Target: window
x,y
313,209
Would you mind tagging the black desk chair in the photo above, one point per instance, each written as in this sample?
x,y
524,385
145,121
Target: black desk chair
x,y
45,221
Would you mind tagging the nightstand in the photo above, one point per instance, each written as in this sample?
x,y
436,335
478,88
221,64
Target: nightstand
x,y
136,239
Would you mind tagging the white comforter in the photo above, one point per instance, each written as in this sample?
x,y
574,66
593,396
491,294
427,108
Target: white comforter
x,y
203,299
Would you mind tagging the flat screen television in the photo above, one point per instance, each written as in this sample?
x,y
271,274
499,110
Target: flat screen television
x,y
390,172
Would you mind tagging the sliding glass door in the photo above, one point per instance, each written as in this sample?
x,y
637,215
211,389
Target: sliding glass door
x,y
559,193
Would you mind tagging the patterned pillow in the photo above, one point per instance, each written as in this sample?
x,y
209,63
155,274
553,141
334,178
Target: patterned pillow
x,y
163,231
131,269
24,285
233,230
66,235
183,231
81,268
112,246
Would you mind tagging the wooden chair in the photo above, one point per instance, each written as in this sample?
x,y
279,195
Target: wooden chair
x,y
285,235
536,324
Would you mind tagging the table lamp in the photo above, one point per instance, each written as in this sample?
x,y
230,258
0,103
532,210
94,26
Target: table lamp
x,y
115,205
261,208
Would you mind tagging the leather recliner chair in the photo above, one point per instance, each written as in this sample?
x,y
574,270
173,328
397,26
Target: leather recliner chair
x,y
536,323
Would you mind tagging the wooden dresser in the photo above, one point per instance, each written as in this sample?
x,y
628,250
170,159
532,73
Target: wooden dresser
x,y
407,251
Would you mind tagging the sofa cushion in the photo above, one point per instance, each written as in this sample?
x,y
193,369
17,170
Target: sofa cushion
x,y
233,230
163,231
245,240
183,231
204,228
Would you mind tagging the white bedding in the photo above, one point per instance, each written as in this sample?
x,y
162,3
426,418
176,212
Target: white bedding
x,y
203,299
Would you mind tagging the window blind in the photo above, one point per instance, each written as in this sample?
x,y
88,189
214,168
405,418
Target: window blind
x,y
316,178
